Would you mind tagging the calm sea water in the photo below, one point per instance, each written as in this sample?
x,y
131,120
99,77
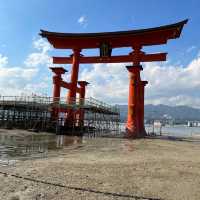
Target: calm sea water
x,y
176,130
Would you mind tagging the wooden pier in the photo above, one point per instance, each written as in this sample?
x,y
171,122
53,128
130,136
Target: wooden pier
x,y
35,113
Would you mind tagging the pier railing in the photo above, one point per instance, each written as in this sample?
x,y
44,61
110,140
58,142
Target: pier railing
x,y
58,114
61,102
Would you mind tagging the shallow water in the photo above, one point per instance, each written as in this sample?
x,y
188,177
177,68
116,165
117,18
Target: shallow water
x,y
37,145
177,130
33,145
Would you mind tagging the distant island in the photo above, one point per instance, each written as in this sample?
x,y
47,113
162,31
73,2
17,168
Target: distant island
x,y
175,114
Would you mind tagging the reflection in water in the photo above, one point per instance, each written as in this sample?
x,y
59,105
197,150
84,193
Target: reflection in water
x,y
18,146
128,145
12,147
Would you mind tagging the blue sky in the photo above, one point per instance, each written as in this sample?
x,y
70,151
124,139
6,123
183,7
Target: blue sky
x,y
21,21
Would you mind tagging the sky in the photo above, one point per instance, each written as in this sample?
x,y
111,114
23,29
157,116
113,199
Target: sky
x,y
25,57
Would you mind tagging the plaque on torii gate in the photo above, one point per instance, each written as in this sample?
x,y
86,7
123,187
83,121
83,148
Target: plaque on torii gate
x,y
106,41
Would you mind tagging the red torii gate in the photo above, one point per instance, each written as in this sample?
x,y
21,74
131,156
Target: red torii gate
x,y
106,42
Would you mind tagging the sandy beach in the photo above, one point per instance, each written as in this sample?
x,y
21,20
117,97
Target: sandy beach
x,y
108,168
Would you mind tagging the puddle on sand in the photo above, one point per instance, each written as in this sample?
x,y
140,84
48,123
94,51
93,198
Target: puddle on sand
x,y
16,147
13,147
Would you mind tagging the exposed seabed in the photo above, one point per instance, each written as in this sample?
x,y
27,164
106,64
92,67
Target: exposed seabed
x,y
101,168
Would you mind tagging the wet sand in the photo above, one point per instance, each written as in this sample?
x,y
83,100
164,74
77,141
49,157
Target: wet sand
x,y
107,168
20,133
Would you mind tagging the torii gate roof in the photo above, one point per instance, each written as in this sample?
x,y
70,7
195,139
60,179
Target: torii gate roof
x,y
131,38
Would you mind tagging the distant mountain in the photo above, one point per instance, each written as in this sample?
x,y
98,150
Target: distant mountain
x,y
163,111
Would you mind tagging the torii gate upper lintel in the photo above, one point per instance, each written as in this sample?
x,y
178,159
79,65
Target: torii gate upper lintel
x,y
107,41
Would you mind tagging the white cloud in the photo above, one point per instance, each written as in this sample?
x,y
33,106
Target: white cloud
x,y
191,49
7,72
37,59
168,84
40,58
31,88
17,80
13,80
41,45
83,21
172,80
108,82
17,72
3,60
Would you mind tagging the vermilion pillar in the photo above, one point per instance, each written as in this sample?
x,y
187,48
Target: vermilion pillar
x,y
141,108
73,85
74,75
57,86
83,85
133,118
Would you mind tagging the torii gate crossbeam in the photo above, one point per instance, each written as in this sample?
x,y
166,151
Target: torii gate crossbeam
x,y
112,59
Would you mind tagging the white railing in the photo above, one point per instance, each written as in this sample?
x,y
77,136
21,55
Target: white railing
x,y
41,100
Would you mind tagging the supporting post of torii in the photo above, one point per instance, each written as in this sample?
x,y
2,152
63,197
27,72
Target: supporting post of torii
x,y
83,85
71,98
133,118
74,75
141,109
57,79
